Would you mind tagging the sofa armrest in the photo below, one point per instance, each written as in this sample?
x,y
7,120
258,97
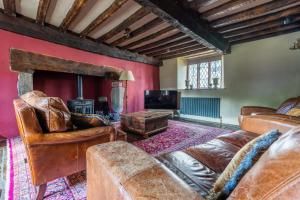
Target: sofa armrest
x,y
262,123
249,110
278,115
70,137
119,170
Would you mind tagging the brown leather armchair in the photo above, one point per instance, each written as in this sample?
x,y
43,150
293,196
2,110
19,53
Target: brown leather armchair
x,y
54,155
281,111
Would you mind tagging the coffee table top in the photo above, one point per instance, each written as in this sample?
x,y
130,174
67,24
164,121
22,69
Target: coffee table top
x,y
147,114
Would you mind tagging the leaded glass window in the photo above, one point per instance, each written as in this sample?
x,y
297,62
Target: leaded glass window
x,y
206,74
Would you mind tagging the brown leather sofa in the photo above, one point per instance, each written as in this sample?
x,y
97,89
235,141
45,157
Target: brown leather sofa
x,y
119,170
54,155
281,111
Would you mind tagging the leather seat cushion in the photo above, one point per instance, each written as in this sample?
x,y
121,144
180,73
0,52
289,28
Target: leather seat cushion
x,y
215,154
83,121
238,138
194,173
53,114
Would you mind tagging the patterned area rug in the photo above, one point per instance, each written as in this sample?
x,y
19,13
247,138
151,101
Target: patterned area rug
x,y
178,136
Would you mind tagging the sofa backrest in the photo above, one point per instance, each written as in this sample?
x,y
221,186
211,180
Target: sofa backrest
x,y
261,124
276,175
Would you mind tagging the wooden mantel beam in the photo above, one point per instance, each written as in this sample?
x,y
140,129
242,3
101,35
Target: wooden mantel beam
x,y
188,23
24,27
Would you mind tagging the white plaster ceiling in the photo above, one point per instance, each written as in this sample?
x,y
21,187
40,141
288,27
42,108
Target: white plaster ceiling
x,y
27,8
57,11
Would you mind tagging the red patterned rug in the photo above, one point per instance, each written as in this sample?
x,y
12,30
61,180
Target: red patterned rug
x,y
178,136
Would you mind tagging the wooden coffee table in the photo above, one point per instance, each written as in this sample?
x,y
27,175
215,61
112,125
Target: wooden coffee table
x,y
145,123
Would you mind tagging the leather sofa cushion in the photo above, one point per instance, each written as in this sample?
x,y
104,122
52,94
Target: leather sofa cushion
x,y
238,138
194,173
215,154
276,175
32,94
83,121
53,114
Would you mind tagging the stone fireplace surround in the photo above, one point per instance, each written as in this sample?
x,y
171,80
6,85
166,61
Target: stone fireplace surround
x,y
26,63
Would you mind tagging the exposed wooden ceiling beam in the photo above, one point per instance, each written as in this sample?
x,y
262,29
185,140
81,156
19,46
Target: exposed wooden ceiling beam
x,y
176,55
146,27
24,27
264,32
266,36
159,42
227,7
167,45
184,50
255,12
260,20
196,4
125,24
42,11
9,7
182,47
72,14
116,5
260,27
150,37
187,22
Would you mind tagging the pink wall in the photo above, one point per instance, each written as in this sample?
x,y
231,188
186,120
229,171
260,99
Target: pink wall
x,y
56,84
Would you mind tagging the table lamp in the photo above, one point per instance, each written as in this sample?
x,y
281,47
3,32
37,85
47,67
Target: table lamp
x,y
126,76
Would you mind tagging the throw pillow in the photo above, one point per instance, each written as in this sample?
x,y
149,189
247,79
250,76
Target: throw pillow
x,y
83,121
53,114
260,146
294,112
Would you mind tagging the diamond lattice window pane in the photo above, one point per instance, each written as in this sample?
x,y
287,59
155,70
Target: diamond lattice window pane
x,y
216,73
193,75
203,73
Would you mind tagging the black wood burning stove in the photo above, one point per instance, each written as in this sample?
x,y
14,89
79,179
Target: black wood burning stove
x,y
81,105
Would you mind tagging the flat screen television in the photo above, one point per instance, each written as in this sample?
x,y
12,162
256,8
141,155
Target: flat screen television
x,y
162,99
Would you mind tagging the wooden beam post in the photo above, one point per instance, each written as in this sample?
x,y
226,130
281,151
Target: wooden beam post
x,y
42,11
199,30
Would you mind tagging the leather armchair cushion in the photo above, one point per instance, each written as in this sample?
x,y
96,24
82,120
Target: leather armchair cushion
x,y
276,175
83,121
52,112
32,94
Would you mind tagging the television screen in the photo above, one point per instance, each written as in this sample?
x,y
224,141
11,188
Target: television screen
x,y
161,99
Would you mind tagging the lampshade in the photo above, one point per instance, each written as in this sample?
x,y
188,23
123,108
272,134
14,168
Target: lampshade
x,y
126,76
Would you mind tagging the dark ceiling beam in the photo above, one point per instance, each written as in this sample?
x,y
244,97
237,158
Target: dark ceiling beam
x,y
264,32
184,50
260,20
266,36
27,28
42,11
149,37
196,4
258,11
146,27
159,42
72,14
187,46
116,5
9,7
176,55
187,22
260,27
167,45
125,24
227,8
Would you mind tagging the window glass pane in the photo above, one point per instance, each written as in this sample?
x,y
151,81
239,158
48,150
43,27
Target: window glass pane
x,y
203,75
216,73
193,75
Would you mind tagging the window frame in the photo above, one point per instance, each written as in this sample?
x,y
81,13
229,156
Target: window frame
x,y
208,60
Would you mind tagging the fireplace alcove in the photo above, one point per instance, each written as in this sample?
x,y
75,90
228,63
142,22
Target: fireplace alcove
x,y
59,77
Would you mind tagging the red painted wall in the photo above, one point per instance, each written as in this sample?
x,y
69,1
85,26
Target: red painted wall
x,y
64,85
